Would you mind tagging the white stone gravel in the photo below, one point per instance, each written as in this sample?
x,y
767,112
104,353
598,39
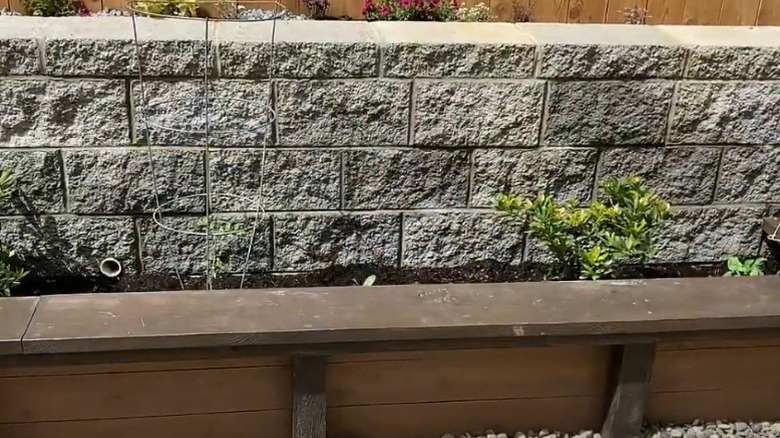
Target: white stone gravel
x,y
5,11
717,429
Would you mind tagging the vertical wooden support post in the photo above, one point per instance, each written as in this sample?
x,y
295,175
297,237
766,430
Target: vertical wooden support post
x,y
627,410
308,403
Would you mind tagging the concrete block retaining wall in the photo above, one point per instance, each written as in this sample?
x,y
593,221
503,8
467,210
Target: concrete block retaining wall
x,y
390,138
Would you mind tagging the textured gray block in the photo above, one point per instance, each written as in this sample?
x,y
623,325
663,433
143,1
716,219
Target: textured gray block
x,y
114,181
18,56
70,246
710,234
566,173
726,112
164,251
681,175
606,51
302,49
500,113
440,240
330,113
104,46
316,241
294,179
239,113
45,112
733,52
38,182
749,174
417,49
391,178
585,113
734,63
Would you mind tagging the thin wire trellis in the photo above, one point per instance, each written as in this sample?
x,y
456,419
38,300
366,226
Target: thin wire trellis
x,y
199,107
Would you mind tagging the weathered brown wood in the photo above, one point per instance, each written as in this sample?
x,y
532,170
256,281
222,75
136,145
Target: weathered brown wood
x,y
144,394
570,414
262,424
626,411
309,396
520,312
492,374
15,315
723,381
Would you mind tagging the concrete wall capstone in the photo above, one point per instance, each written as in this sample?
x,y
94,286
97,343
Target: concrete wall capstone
x,y
389,140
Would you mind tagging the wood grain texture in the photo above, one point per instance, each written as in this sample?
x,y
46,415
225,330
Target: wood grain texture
x,y
627,408
684,407
769,14
616,9
15,315
144,394
549,11
702,12
304,317
716,369
265,424
739,12
569,414
665,11
309,397
497,374
587,11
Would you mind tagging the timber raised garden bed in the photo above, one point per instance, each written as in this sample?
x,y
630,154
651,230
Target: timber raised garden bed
x,y
392,361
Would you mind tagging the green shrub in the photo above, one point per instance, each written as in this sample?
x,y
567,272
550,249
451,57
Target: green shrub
x,y
51,8
10,274
750,267
591,242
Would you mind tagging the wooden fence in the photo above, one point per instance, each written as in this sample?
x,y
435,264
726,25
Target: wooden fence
x,y
390,361
705,12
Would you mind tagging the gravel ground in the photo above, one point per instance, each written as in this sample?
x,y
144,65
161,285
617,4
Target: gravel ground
x,y
719,429
245,14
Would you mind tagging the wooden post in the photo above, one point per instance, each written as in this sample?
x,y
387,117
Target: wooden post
x,y
309,404
627,410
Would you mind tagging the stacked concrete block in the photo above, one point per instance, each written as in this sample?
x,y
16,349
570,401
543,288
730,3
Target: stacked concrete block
x,y
389,140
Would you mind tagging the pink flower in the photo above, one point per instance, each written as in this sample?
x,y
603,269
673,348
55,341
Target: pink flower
x,y
385,11
406,3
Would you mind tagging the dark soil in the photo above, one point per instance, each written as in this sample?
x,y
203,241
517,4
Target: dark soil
x,y
347,276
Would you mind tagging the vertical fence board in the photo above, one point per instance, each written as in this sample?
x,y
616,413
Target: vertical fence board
x,y
504,9
309,405
769,15
615,9
702,11
665,11
16,6
549,11
587,11
114,4
739,12
627,409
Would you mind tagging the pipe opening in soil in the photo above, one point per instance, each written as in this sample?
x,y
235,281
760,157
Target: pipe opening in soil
x,y
110,267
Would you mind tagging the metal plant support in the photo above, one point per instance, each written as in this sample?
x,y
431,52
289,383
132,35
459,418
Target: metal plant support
x,y
208,116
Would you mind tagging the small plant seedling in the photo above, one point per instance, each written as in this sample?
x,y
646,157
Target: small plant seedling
x,y
749,268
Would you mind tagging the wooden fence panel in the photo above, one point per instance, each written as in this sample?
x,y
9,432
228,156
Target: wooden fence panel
x,y
549,11
616,8
665,11
739,12
587,11
769,15
702,11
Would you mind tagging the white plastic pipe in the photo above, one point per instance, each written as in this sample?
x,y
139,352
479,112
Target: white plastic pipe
x,y
110,267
